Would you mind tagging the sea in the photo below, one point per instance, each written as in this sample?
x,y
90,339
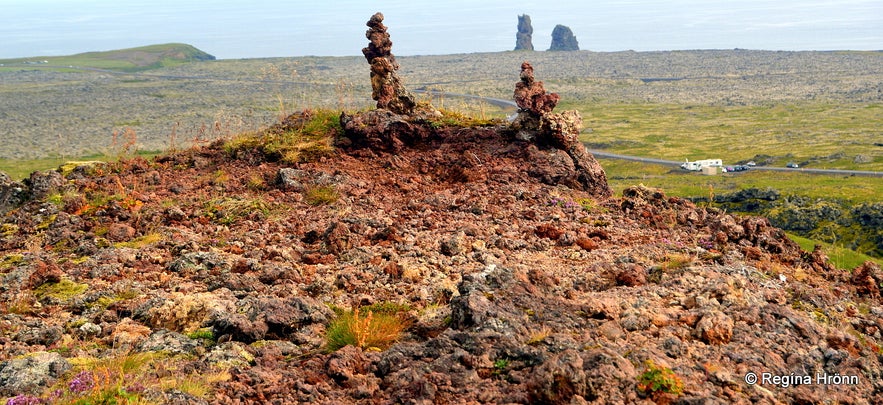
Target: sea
x,y
263,28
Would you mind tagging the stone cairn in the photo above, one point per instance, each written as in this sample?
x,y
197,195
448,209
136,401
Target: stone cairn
x,y
387,88
537,123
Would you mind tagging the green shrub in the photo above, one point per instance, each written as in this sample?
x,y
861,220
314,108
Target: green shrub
x,y
657,381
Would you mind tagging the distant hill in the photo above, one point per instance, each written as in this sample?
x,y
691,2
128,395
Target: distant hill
x,y
129,60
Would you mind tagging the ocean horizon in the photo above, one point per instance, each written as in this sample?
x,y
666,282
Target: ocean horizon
x,y
234,30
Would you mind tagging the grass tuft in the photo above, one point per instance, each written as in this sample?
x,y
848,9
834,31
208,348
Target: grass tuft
x,y
228,210
321,195
301,137
366,328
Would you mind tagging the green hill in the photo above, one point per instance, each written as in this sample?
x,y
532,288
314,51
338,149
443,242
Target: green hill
x,y
127,60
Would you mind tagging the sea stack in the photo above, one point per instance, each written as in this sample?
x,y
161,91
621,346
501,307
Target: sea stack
x,y
524,37
563,39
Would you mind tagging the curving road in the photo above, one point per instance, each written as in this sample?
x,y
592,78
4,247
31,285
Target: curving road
x,y
767,168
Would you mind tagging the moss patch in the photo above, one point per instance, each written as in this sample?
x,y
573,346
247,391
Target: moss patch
x,y
63,290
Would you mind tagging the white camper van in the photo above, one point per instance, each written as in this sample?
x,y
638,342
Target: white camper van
x,y
699,164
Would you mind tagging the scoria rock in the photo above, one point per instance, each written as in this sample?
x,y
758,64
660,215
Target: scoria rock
x,y
387,88
537,123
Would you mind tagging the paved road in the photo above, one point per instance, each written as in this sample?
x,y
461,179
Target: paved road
x,y
767,168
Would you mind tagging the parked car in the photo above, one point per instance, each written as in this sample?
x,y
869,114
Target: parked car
x,y
792,165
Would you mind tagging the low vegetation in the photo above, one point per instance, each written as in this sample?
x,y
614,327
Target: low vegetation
x,y
125,379
840,256
812,134
374,327
659,381
301,137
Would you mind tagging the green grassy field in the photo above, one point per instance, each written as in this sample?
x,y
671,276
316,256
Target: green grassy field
x,y
21,169
124,60
682,183
816,135
841,257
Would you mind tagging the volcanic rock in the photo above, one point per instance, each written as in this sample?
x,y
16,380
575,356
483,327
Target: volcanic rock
x,y
563,39
12,193
537,123
30,374
526,281
523,38
387,88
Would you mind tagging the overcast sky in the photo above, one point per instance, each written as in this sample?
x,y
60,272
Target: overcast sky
x,y
265,28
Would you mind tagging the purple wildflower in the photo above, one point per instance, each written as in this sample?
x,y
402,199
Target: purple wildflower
x,y
82,382
24,400
706,244
135,388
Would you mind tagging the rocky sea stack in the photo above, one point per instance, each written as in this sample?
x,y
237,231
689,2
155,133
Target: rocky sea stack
x,y
524,36
563,39
411,255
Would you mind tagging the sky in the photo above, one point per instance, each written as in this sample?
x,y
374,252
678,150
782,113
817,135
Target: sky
x,y
265,28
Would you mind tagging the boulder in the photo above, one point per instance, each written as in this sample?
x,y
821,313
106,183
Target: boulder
x,y
31,374
12,193
44,183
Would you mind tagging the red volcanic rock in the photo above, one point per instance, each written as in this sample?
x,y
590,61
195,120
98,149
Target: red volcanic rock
x,y
387,88
548,231
587,243
530,95
120,232
44,273
633,276
715,328
867,278
537,123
